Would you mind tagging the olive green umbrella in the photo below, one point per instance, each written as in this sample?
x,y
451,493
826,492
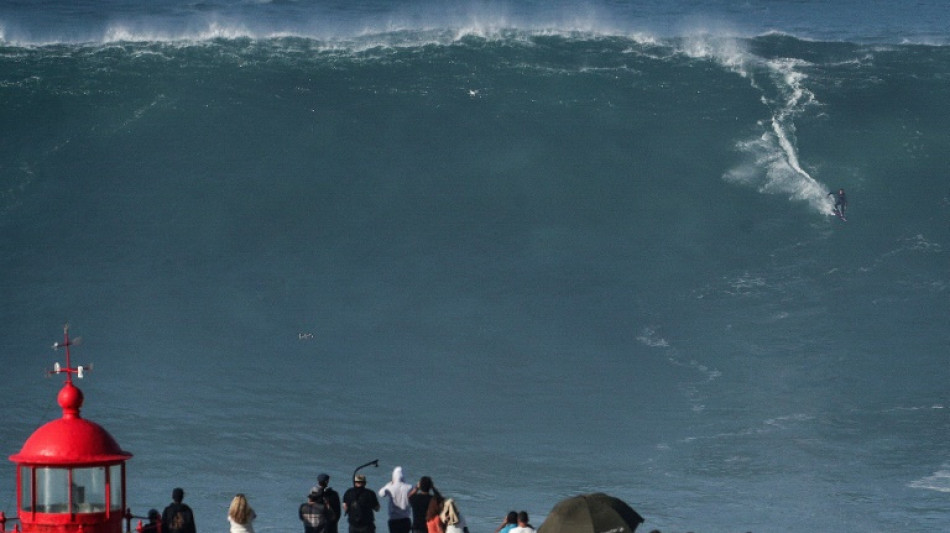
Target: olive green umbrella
x,y
591,513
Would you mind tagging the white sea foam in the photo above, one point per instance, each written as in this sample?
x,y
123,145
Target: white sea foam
x,y
212,30
649,337
692,388
938,481
771,161
386,26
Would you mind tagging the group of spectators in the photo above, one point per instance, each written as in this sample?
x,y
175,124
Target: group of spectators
x,y
412,509
179,518
418,508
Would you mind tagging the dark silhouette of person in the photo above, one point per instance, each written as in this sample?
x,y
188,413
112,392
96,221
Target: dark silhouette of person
x,y
333,500
177,517
841,201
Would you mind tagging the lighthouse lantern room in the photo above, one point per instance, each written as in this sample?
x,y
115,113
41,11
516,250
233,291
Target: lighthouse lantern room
x,y
70,472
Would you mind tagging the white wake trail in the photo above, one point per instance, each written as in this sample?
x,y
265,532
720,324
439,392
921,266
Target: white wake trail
x,y
770,162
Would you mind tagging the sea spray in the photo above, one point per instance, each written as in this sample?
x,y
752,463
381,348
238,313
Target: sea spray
x,y
770,159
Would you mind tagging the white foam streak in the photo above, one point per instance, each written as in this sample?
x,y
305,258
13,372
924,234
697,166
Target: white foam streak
x,y
939,481
771,160
797,98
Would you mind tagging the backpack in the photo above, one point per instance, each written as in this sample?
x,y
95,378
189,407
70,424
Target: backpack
x,y
318,519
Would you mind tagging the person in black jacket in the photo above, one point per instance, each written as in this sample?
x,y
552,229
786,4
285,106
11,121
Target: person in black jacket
x,y
333,500
154,522
841,201
360,505
177,517
419,498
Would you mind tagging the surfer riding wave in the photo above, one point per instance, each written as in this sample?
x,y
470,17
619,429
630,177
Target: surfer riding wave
x,y
841,201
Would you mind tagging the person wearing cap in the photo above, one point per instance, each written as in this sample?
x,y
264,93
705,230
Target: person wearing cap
x,y
360,505
400,514
333,500
316,514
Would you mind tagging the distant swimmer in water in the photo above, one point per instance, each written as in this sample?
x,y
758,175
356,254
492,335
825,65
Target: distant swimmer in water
x,y
841,201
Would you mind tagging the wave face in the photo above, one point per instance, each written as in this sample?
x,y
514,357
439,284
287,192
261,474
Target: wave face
x,y
529,263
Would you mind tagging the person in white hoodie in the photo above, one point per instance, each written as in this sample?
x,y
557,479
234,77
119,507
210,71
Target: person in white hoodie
x,y
397,491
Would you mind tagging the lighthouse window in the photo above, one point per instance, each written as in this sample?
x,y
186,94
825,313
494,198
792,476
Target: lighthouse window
x,y
89,489
115,485
58,488
51,493
26,488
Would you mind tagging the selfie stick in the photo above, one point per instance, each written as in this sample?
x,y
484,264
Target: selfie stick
x,y
374,462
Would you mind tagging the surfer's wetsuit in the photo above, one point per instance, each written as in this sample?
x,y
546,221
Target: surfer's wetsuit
x,y
841,201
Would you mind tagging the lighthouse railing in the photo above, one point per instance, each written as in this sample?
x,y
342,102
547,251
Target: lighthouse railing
x,y
4,520
151,527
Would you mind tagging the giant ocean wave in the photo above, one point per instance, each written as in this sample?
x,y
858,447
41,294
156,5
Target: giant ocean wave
x,y
516,222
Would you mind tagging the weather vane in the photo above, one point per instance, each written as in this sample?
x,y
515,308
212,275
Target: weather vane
x,y
68,369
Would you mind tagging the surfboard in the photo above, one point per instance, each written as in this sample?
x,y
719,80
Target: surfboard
x,y
840,215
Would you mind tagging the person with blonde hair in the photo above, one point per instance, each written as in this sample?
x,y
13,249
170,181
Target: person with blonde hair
x,y
454,523
240,515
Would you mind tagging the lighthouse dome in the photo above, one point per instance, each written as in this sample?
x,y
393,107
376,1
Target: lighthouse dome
x,y
71,440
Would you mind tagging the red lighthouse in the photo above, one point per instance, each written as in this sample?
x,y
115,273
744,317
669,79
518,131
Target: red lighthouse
x,y
70,472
